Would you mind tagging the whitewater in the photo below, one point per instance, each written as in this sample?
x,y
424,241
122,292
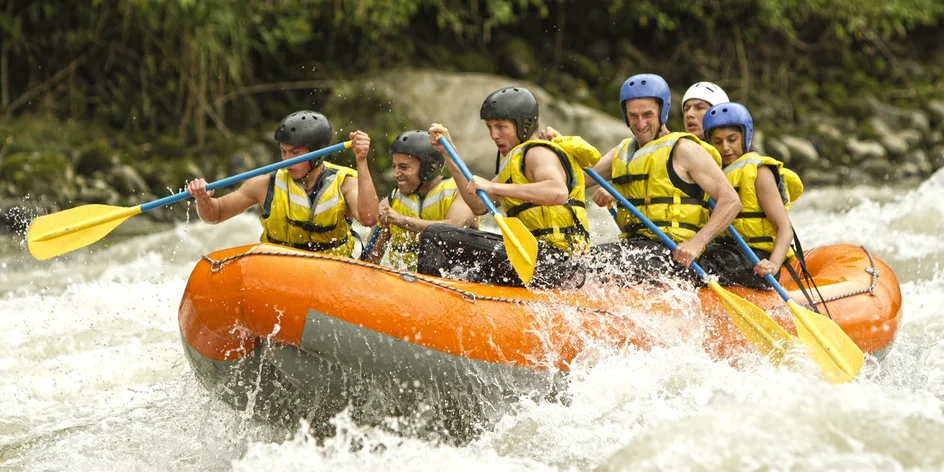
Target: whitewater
x,y
94,376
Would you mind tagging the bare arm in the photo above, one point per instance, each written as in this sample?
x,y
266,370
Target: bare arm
x,y
361,197
694,164
548,181
770,201
469,197
217,210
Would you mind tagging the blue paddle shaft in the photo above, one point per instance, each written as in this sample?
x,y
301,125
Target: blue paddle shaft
x,y
466,173
246,175
372,240
649,224
753,257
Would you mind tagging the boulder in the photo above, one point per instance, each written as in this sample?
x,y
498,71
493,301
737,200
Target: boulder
x,y
777,150
802,151
921,160
454,99
912,137
936,108
862,150
828,131
126,180
239,162
876,128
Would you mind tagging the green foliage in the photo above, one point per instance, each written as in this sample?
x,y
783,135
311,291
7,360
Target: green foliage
x,y
182,67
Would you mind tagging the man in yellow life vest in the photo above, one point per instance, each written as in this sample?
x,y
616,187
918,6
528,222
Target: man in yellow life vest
x,y
422,198
766,190
307,205
697,100
668,177
540,182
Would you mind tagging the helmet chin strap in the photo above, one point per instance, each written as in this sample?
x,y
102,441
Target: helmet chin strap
x,y
311,169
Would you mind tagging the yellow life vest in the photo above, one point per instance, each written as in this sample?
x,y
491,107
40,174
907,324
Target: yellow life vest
x,y
751,223
642,176
404,244
291,218
566,226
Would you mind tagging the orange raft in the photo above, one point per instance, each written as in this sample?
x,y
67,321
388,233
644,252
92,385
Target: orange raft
x,y
328,323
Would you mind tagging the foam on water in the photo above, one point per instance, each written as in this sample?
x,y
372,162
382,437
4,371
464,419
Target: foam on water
x,y
94,376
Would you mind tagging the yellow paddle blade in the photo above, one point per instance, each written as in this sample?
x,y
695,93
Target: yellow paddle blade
x,y
760,329
831,348
58,233
520,245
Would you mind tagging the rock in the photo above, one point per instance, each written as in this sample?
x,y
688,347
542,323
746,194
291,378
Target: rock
x,y
874,127
936,156
777,150
454,100
126,180
828,131
862,150
95,156
262,154
239,162
919,120
920,159
893,116
802,151
816,177
854,176
912,137
44,175
906,170
936,108
758,142
97,191
878,167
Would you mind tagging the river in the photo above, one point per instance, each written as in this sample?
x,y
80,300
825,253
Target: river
x,y
94,376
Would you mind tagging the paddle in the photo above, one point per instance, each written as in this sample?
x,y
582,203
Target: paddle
x,y
830,346
763,332
371,241
58,233
514,233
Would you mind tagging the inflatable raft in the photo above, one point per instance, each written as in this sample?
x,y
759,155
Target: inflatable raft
x,y
273,328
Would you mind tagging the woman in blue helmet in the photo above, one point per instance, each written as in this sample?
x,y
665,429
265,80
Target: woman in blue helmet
x,y
766,190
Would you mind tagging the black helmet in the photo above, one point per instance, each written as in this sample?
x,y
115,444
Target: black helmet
x,y
516,104
305,129
416,144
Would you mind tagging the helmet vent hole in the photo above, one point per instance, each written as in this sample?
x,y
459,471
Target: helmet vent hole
x,y
724,110
293,129
642,83
632,83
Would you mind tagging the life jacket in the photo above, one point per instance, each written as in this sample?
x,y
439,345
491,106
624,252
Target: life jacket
x,y
642,176
566,226
751,223
404,244
316,222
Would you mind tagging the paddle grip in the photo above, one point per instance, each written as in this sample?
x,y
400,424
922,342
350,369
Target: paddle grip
x,y
249,174
371,241
753,257
649,224
466,173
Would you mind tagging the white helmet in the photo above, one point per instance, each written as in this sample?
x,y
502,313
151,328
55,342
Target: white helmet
x,y
706,91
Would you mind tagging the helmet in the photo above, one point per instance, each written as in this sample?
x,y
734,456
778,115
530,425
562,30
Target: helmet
x,y
706,91
416,144
305,129
729,114
646,86
513,103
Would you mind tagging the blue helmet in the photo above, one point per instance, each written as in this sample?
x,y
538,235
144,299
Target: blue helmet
x,y
729,114
646,86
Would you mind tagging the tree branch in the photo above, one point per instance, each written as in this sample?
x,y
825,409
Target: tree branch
x,y
35,91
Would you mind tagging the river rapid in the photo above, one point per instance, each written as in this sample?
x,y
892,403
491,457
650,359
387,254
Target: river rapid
x,y
94,376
